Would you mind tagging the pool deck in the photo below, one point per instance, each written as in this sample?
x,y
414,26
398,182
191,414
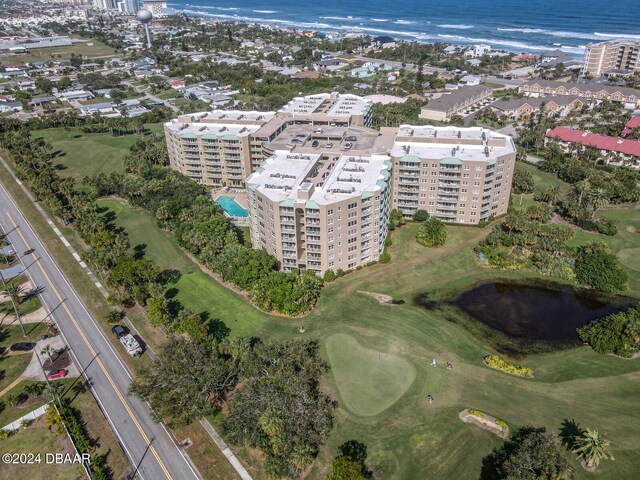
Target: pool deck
x,y
241,198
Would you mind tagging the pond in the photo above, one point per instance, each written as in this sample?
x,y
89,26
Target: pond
x,y
537,313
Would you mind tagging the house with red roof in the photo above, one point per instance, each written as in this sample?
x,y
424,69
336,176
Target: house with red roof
x,y
615,151
631,125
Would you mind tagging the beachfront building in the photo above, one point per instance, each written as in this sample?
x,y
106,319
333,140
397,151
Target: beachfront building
x,y
613,150
615,57
216,148
319,212
460,175
454,103
630,97
524,108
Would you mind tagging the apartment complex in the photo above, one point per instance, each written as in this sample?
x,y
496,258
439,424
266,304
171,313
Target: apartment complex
x,y
314,211
524,108
460,175
448,105
590,91
222,148
615,57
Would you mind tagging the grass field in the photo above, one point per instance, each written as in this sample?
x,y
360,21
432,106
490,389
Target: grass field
x,y
98,49
86,154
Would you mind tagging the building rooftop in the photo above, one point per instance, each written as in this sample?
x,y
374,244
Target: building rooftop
x,y
601,142
318,178
634,122
331,104
473,143
447,102
584,87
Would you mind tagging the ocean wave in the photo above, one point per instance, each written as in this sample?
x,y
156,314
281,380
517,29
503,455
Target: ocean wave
x,y
264,11
380,19
403,22
455,26
344,19
551,33
223,9
617,35
512,44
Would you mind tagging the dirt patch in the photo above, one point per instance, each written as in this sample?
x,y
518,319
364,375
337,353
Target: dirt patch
x,y
382,299
486,422
63,360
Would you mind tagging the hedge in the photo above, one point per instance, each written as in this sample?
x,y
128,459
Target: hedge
x,y
496,362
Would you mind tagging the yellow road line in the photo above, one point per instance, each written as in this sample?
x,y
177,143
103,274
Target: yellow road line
x,y
93,353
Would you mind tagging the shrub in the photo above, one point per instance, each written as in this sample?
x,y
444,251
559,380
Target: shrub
x,y
420,216
597,267
476,413
329,276
501,424
432,233
387,241
25,423
496,362
340,273
113,316
618,333
34,389
385,257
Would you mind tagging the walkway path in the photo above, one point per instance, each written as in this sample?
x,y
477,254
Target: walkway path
x,y
11,385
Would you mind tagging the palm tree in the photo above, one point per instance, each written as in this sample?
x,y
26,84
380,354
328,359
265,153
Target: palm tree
x,y
54,419
592,447
48,351
598,198
580,192
552,194
14,292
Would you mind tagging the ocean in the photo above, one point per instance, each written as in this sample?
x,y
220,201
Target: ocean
x,y
517,25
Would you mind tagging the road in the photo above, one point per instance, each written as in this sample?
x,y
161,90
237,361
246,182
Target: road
x,y
148,445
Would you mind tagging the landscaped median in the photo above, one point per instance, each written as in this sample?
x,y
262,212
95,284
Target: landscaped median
x,y
485,421
494,361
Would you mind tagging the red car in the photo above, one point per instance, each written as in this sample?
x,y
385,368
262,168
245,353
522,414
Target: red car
x,y
61,373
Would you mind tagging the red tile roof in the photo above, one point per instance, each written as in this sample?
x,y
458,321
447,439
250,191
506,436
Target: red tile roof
x,y
634,122
601,142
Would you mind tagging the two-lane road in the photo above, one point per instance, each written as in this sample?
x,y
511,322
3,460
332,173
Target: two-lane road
x,y
150,448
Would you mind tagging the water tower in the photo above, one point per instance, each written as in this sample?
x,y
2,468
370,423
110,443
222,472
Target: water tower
x,y
144,17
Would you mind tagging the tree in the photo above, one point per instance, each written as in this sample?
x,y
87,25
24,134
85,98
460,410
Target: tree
x,y
530,454
580,192
280,408
396,219
551,194
592,447
522,181
54,421
15,292
432,233
420,216
345,468
617,333
598,268
158,311
187,380
598,198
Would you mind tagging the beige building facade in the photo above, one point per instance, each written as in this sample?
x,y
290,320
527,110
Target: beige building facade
x,y
460,175
616,56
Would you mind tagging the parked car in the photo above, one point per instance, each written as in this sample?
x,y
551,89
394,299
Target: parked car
x,y
57,373
329,145
351,138
347,146
127,340
319,130
315,143
22,346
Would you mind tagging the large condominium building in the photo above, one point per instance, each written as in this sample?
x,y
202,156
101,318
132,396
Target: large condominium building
x,y
316,211
456,174
613,57
222,148
216,148
454,103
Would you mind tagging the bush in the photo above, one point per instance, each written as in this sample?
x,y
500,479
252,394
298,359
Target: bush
x,y
476,413
113,316
598,268
329,276
522,181
387,241
501,424
496,362
420,216
618,333
385,257
340,273
34,389
432,233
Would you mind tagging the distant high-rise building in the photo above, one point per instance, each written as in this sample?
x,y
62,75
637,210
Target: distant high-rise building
x,y
156,7
106,4
612,57
128,6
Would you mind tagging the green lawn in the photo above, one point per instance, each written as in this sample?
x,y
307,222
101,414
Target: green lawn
x,y
86,154
195,289
11,367
38,439
98,49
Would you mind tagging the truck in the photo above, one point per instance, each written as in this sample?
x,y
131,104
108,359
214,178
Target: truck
x,y
127,340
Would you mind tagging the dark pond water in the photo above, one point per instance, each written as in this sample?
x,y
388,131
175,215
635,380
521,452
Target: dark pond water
x,y
532,312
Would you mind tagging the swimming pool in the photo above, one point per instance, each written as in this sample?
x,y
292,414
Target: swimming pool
x,y
232,207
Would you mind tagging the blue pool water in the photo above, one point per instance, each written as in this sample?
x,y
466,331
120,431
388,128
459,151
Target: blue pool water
x,y
232,207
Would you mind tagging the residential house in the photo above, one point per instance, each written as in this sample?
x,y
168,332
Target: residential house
x,y
446,106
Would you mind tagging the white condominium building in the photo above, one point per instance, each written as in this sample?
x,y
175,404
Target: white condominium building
x,y
320,212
